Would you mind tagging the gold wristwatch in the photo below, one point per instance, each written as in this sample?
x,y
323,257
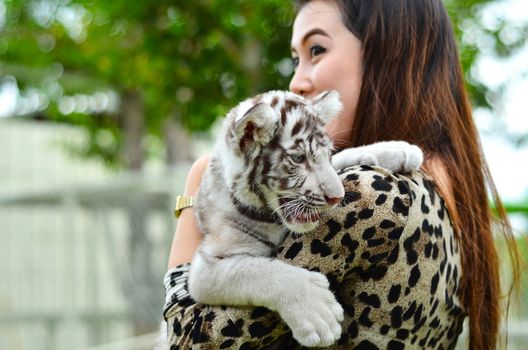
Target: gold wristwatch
x,y
182,202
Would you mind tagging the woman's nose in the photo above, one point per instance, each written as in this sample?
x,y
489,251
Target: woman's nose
x,y
300,83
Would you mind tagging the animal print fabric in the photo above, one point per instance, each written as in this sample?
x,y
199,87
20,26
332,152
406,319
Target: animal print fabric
x,y
390,254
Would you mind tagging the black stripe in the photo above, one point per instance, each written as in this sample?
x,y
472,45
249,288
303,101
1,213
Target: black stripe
x,y
242,227
266,167
288,106
297,128
254,213
252,174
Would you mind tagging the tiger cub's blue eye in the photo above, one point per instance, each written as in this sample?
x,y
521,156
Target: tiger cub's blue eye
x,y
298,157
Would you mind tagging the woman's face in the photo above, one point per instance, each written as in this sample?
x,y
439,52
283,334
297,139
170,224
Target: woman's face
x,y
327,57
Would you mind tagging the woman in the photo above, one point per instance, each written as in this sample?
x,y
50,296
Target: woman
x,y
407,275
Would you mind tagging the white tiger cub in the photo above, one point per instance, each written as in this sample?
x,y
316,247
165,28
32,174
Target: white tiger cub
x,y
270,172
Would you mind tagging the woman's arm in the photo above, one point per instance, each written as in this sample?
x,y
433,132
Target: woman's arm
x,y
187,236
203,326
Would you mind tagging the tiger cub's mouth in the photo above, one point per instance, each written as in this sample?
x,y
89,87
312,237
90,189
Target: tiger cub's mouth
x,y
305,218
298,213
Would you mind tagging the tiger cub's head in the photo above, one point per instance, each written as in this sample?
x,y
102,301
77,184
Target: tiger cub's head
x,y
276,156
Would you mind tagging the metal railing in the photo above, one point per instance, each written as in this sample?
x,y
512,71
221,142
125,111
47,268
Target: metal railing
x,y
83,265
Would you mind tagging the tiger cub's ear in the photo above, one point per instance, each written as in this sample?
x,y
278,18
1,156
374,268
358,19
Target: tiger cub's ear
x,y
327,105
255,127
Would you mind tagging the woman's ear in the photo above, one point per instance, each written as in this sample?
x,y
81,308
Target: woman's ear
x,y
327,105
255,127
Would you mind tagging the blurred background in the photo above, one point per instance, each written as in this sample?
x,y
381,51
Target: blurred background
x,y
105,104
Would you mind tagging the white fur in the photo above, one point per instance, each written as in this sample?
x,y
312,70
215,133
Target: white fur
x,y
397,156
328,105
301,297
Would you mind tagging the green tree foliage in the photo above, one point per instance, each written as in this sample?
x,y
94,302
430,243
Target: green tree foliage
x,y
474,35
176,64
182,60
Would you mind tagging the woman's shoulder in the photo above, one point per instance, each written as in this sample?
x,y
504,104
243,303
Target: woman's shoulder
x,y
383,193
381,210
199,165
195,174
406,265
384,211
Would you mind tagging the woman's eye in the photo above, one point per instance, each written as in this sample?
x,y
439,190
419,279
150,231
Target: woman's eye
x,y
317,50
295,61
298,157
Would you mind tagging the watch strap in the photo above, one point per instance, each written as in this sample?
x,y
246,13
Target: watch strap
x,y
183,202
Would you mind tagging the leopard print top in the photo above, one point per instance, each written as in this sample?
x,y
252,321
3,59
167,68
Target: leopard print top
x,y
390,254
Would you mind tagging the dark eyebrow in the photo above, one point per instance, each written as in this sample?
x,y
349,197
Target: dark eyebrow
x,y
314,32
311,32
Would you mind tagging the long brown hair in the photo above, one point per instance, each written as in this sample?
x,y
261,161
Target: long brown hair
x,y
413,89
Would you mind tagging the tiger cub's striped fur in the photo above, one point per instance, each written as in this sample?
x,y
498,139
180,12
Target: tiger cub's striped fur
x,y
269,173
